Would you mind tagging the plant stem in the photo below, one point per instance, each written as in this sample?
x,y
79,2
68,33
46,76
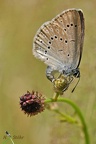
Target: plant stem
x,y
66,117
7,140
55,97
76,108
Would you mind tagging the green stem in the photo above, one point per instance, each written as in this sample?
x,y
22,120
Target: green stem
x,y
7,140
66,117
55,97
84,127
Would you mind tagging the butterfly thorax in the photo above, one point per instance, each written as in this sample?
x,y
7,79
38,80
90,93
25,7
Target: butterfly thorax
x,y
74,72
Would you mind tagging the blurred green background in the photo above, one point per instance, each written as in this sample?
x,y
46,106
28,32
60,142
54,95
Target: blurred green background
x,y
20,71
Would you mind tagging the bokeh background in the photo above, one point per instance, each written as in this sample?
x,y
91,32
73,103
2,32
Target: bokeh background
x,y
20,71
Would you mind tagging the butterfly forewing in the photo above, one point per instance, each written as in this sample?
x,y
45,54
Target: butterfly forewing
x,y
59,42
72,23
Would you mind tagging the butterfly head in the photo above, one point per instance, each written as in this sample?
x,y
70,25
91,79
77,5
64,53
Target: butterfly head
x,y
76,73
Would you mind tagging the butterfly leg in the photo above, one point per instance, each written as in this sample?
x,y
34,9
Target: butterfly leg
x,y
49,73
68,81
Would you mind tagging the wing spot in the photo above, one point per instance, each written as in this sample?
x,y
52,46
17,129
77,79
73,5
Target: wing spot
x,y
65,41
48,47
71,24
55,36
60,50
45,51
46,58
51,29
68,55
61,39
57,30
64,29
75,25
49,42
67,25
52,38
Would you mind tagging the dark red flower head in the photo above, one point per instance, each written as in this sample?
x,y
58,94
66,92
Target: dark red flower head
x,y
32,103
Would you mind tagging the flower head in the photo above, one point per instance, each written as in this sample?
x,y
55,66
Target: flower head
x,y
61,84
32,103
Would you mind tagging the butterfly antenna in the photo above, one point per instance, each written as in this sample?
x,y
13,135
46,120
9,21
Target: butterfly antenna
x,y
75,85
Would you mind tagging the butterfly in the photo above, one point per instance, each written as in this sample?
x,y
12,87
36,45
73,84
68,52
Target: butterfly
x,y
59,43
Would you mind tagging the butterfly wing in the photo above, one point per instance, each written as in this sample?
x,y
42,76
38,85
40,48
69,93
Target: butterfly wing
x,y
46,45
59,42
